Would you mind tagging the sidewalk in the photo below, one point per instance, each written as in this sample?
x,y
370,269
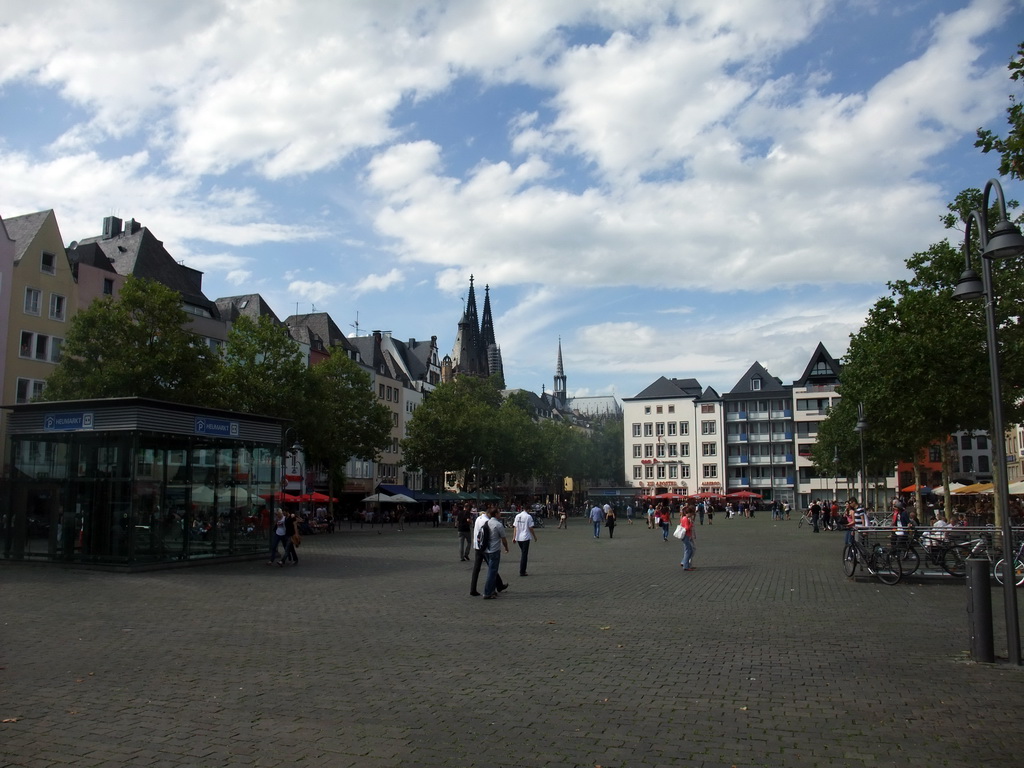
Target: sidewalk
x,y
372,653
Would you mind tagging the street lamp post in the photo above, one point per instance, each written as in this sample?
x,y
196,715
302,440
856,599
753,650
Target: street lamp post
x,y
860,429
1006,241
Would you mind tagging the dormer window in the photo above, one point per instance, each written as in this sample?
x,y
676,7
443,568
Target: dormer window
x,y
48,264
755,383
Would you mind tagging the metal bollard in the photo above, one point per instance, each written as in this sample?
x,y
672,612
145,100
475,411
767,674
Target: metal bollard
x,y
979,610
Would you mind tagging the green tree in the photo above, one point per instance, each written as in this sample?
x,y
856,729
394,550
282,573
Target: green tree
x,y
453,426
137,345
341,418
263,370
919,363
1010,148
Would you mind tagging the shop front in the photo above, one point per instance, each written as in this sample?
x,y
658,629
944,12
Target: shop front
x,y
130,482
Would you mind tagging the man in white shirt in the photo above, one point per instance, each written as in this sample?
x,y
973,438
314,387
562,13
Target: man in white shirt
x,y
493,540
524,534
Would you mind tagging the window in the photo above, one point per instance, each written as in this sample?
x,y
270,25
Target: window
x,y
33,297
658,409
934,453
648,451
108,286
637,451
968,463
684,449
648,430
684,427
647,410
380,391
638,473
673,472
965,442
48,264
671,409
661,471
755,383
649,472
983,464
710,471
707,408
56,307
661,451
636,430
659,428
39,346
684,471
709,449
982,443
707,427
673,450
29,389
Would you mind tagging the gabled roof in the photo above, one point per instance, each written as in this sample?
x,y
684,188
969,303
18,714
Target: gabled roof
x,y
709,395
137,252
757,371
667,388
323,326
249,305
23,229
829,364
91,255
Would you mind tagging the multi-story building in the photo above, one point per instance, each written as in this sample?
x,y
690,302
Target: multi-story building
x,y
813,394
759,436
42,288
7,251
673,438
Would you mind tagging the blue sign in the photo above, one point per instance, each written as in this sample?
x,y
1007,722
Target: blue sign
x,y
216,427
69,421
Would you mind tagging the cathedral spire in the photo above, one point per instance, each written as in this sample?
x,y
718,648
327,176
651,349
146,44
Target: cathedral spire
x,y
559,392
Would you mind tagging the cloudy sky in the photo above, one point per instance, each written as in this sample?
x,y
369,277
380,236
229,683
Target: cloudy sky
x,y
672,187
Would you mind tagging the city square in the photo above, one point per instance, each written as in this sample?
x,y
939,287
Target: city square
x,y
371,652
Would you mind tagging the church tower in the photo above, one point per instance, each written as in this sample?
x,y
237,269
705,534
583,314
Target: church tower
x,y
476,352
559,392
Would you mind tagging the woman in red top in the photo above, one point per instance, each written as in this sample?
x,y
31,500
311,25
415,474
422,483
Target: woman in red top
x,y
664,518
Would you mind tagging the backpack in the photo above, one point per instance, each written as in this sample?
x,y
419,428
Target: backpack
x,y
483,539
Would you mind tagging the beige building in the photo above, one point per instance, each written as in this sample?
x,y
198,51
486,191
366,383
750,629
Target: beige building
x,y
42,299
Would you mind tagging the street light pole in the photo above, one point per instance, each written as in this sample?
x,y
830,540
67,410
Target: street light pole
x,y
1006,241
860,429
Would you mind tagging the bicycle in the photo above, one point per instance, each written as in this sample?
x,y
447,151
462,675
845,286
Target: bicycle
x,y
805,519
1018,567
881,562
950,556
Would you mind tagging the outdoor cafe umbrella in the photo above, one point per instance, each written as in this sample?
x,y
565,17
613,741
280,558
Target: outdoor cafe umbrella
x,y
706,495
401,498
383,498
743,495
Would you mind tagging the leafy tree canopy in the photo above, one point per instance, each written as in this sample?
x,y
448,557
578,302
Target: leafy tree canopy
x,y
1010,148
137,345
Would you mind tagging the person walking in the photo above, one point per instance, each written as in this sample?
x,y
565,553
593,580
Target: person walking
x,y
650,516
609,521
596,516
525,532
689,537
629,514
493,541
815,514
700,512
290,530
664,518
278,537
563,518
480,552
464,524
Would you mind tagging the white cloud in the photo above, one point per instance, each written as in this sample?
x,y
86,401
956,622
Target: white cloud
x,y
378,283
314,291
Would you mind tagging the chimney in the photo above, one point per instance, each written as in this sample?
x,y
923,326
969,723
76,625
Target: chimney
x,y
133,227
111,227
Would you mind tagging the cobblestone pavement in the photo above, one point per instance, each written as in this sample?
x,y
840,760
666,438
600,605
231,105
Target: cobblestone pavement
x,y
372,653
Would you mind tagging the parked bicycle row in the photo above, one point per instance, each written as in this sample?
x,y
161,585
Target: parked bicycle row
x,y
892,555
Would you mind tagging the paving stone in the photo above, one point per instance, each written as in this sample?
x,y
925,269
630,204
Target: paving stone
x,y
371,653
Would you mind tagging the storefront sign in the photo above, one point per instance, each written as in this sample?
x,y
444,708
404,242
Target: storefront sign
x,y
68,422
216,427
